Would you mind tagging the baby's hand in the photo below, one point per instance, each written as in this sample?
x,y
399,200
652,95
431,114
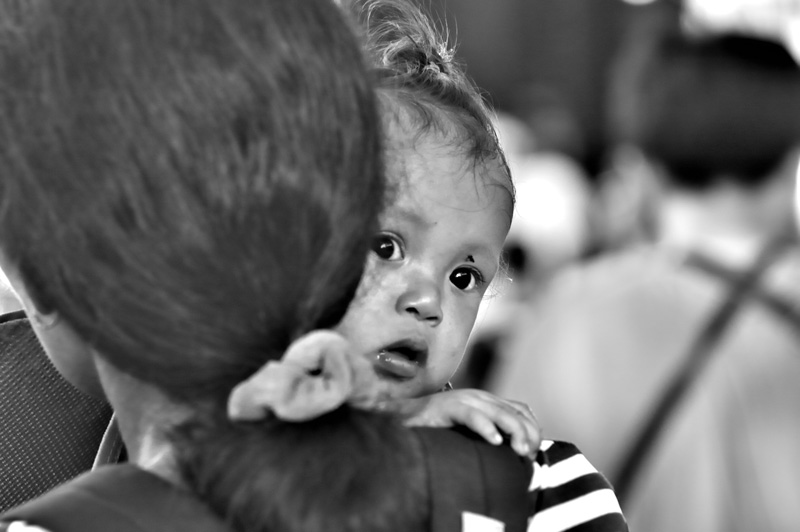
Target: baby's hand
x,y
482,412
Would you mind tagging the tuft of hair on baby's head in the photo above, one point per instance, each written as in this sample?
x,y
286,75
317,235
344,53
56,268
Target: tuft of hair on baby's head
x,y
417,69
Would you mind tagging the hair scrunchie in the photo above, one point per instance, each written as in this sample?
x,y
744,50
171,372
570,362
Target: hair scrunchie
x,y
317,374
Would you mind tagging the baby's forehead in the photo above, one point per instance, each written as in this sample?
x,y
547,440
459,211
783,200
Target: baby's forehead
x,y
416,125
434,154
433,172
408,143
424,142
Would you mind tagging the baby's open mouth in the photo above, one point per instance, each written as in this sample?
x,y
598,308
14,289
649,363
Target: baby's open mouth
x,y
401,360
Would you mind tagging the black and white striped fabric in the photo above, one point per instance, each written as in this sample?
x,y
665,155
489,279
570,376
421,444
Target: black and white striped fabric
x,y
567,493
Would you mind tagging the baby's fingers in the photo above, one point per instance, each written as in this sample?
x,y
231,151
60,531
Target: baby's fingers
x,y
510,421
531,424
481,424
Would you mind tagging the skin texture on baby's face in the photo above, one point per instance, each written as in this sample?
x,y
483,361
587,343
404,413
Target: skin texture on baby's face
x,y
438,249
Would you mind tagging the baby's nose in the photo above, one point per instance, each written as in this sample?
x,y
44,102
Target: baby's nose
x,y
423,301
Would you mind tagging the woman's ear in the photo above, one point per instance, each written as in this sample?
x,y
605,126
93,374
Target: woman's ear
x,y
68,352
38,319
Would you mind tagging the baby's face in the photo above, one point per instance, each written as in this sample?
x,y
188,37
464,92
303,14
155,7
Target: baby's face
x,y
437,251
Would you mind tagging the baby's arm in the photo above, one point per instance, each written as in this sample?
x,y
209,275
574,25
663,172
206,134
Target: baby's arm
x,y
480,411
568,493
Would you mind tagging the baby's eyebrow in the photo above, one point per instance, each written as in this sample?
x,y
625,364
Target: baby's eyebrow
x,y
410,215
481,250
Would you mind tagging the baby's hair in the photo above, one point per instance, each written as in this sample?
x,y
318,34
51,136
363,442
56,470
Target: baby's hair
x,y
191,185
417,68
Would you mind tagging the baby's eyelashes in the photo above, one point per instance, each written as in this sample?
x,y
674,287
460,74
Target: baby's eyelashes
x,y
388,247
467,279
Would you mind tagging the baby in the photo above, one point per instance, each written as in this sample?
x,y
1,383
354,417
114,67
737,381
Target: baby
x,y
442,232
437,251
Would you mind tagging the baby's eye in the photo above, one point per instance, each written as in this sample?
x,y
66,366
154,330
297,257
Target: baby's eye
x,y
387,247
466,278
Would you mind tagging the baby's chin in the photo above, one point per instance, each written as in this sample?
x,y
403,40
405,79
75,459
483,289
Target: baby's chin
x,y
400,390
408,389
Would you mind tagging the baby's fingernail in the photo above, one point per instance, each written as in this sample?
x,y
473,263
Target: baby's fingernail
x,y
523,449
497,439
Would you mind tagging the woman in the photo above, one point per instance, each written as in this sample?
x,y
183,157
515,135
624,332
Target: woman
x,y
189,186
189,189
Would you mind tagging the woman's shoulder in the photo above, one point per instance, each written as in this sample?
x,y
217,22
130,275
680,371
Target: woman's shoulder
x,y
123,498
567,491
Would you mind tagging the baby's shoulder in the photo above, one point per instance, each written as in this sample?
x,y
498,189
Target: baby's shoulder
x,y
567,491
552,452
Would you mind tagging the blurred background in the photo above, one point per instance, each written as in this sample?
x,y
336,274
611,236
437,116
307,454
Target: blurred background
x,y
650,311
547,61
651,308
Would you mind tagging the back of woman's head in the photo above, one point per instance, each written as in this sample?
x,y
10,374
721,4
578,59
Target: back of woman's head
x,y
190,185
708,108
420,77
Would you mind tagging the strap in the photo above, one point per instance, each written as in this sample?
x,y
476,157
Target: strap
x,y
120,498
467,474
700,354
12,316
782,308
112,448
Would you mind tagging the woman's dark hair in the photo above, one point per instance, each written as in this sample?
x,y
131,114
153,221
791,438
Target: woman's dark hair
x,y
707,107
191,185
417,68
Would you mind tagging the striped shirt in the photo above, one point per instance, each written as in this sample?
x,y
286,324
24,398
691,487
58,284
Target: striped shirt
x,y
568,494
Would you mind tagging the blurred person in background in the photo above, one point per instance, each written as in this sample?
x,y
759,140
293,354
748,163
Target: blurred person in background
x,y
712,125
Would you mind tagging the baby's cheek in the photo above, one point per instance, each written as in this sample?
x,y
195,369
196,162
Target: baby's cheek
x,y
363,317
369,279
464,321
376,283
442,369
